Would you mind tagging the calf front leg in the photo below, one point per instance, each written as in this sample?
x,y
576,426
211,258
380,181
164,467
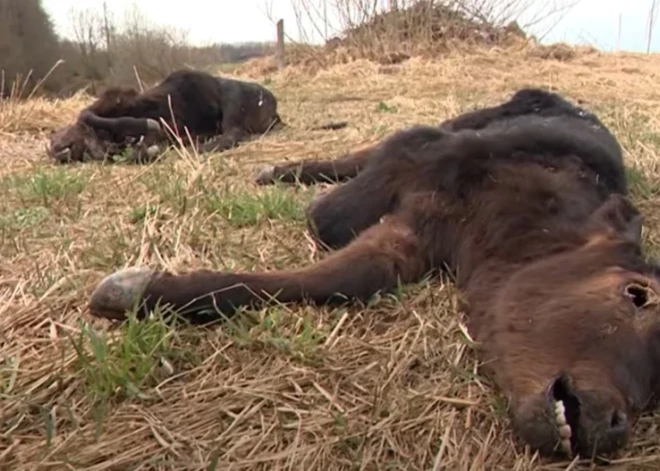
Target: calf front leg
x,y
225,141
310,172
380,259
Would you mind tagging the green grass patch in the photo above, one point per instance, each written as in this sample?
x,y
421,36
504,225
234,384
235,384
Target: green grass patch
x,y
126,365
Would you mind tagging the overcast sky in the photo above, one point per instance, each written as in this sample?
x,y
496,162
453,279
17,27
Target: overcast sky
x,y
590,21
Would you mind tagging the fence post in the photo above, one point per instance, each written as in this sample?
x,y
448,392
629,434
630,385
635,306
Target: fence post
x,y
651,15
280,45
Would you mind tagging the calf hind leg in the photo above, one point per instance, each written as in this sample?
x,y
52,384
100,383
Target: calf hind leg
x,y
380,259
310,172
396,153
338,216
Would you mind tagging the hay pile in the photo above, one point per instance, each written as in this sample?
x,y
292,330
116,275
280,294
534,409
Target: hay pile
x,y
429,22
425,30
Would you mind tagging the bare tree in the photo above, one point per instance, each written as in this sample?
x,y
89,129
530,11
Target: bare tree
x,y
90,38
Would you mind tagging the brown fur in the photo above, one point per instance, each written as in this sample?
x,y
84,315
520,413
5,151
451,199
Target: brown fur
x,y
525,204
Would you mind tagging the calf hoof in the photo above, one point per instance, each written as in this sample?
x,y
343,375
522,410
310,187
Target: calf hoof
x,y
152,151
120,292
154,127
62,156
266,175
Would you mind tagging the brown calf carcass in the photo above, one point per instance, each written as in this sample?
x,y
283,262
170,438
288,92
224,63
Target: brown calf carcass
x,y
525,204
216,113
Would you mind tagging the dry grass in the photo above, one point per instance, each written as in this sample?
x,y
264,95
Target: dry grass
x,y
392,386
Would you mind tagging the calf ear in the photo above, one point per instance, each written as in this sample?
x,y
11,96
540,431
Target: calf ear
x,y
617,215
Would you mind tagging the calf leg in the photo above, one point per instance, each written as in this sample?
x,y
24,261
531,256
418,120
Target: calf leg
x,y
380,259
310,172
225,141
337,217
233,128
397,152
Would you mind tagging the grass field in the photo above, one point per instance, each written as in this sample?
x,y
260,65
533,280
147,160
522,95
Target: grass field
x,y
390,386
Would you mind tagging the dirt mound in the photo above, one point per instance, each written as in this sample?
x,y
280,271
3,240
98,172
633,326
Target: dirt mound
x,y
425,30
428,22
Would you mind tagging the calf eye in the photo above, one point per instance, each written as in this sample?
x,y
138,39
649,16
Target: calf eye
x,y
638,294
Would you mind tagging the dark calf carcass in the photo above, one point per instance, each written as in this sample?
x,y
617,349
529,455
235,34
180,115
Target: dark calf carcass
x,y
217,113
525,203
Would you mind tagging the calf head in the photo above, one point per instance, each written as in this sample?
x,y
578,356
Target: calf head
x,y
574,339
105,127
79,141
75,142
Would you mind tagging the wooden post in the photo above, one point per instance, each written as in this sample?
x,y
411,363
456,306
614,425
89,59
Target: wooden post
x,y
651,15
280,45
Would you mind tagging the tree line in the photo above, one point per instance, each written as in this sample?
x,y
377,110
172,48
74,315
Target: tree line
x,y
101,51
